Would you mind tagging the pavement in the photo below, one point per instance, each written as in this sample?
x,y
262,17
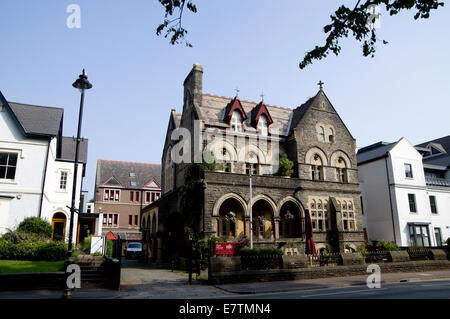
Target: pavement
x,y
143,282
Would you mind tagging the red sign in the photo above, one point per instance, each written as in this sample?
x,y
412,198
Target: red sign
x,y
224,248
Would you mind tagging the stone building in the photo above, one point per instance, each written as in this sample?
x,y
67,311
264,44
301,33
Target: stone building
x,y
122,189
247,137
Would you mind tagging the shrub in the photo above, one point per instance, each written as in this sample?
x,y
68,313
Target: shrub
x,y
387,245
32,250
285,166
260,251
239,244
35,226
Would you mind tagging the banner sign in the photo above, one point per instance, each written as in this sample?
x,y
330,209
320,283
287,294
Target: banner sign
x,y
224,249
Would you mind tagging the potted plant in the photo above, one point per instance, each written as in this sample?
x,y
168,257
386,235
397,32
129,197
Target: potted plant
x,y
289,216
285,167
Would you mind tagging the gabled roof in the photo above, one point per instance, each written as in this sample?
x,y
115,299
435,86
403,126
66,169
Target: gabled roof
x,y
234,105
442,159
35,120
68,146
374,152
153,183
112,181
141,173
256,113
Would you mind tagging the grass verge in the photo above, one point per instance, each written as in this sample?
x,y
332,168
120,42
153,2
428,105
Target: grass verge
x,y
22,266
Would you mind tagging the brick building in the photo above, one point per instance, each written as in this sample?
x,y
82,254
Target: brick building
x,y
121,190
314,138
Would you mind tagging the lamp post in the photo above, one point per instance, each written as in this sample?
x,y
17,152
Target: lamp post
x,y
82,84
251,214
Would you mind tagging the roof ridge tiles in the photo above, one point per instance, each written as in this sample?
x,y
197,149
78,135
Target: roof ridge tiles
x,y
35,105
246,101
105,160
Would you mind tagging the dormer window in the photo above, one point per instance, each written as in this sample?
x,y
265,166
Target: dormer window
x,y
236,122
262,125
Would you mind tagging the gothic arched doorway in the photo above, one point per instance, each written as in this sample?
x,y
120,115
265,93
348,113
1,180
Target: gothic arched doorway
x,y
231,219
59,227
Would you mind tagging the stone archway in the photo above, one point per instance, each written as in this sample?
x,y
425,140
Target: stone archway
x,y
263,221
230,221
290,225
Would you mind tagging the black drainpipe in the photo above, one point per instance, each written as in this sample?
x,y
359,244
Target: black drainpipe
x,y
390,197
43,180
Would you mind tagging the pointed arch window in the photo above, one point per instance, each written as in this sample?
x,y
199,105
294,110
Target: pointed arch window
x,y
236,121
321,134
330,135
341,170
316,168
262,125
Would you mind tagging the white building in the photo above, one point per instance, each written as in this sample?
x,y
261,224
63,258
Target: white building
x,y
400,202
37,167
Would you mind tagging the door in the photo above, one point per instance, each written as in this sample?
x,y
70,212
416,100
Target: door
x,y
59,227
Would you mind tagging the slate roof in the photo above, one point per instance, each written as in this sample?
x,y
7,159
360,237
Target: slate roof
x,y
213,107
373,152
68,149
144,173
442,159
38,120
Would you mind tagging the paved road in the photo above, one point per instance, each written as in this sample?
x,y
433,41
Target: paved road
x,y
437,289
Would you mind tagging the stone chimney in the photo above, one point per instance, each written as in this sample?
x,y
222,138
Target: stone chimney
x,y
193,87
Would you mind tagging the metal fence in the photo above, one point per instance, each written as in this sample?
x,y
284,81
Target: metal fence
x,y
330,259
376,256
418,253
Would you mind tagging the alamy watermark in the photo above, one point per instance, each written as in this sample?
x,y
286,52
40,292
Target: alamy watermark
x,y
74,278
374,279
374,20
74,19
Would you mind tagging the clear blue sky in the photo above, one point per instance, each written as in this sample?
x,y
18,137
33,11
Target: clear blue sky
x,y
253,44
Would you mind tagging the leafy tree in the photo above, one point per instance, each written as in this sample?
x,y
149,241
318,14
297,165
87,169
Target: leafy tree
x,y
285,166
344,21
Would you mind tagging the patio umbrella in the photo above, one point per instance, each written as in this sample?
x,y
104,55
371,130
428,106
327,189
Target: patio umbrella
x,y
310,247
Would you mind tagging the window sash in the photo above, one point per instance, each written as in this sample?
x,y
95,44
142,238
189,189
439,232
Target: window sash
x,y
8,164
412,203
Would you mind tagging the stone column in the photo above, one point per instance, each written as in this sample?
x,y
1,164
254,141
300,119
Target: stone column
x,y
277,228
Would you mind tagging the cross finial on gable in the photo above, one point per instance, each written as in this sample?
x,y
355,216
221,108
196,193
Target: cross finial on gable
x,y
237,91
320,84
262,96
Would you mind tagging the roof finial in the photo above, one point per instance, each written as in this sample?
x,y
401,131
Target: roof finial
x,y
262,96
320,84
237,91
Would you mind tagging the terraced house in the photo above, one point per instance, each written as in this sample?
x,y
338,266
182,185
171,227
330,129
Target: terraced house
x,y
248,138
121,190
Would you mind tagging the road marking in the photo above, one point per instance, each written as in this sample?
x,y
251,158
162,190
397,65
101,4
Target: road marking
x,y
430,285
346,292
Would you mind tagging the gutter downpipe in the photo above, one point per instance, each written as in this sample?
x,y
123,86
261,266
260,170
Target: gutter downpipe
x,y
390,197
43,180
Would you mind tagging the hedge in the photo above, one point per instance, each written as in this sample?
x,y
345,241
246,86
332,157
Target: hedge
x,y
33,250
260,251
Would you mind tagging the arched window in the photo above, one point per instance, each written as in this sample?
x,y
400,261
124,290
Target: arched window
x,y
321,134
330,135
252,164
319,215
341,170
262,125
348,215
236,122
316,167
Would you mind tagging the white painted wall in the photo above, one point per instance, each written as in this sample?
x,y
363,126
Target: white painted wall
x,y
373,184
27,185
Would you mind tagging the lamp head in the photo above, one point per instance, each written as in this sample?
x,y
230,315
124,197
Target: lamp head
x,y
82,82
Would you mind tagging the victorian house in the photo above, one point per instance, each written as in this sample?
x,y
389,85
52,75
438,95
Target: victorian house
x,y
248,138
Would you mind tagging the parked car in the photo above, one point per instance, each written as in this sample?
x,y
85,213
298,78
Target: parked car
x,y
134,250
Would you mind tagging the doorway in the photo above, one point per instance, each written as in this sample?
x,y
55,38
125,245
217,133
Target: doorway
x,y
59,227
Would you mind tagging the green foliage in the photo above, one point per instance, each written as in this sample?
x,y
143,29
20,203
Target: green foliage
x,y
260,251
86,246
345,21
109,247
22,266
174,27
32,250
285,166
362,248
35,226
387,246
215,239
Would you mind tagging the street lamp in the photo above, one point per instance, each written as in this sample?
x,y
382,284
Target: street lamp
x,y
82,84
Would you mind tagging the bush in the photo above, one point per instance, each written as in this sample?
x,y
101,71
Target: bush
x,y
35,226
260,251
285,166
239,244
32,250
86,246
387,246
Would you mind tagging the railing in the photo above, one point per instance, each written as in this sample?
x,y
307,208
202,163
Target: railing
x,y
331,259
422,253
434,181
376,256
260,262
